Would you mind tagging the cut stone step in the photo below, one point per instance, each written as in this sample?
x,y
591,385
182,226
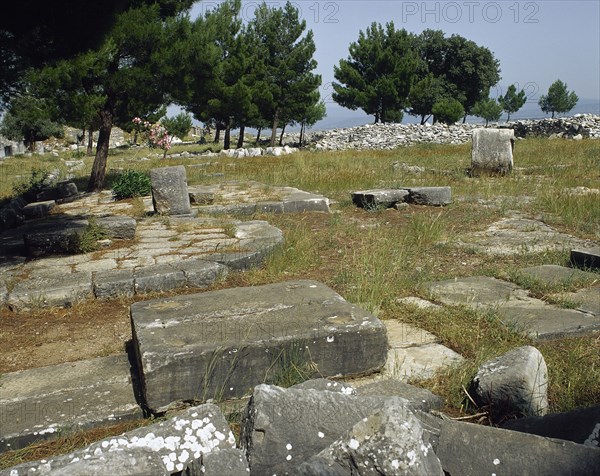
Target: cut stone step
x,y
44,291
514,306
586,258
221,344
39,209
40,404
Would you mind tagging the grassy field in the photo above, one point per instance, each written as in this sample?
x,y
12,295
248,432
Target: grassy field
x,y
374,257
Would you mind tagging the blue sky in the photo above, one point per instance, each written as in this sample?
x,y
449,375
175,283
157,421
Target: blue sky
x,y
536,42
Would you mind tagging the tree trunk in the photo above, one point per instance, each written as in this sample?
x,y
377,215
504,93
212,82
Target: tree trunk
x,y
274,128
465,118
281,136
217,133
82,140
240,142
90,144
258,136
302,126
99,168
227,138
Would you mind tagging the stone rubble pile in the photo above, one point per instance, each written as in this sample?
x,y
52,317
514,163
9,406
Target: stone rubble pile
x,y
391,136
576,127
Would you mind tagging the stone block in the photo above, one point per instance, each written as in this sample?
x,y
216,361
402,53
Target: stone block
x,y
419,398
118,227
113,283
225,462
579,426
223,343
45,291
169,191
388,441
199,273
472,450
66,189
158,277
168,447
492,151
38,209
42,403
514,384
283,428
586,258
326,385
54,236
434,196
201,198
380,198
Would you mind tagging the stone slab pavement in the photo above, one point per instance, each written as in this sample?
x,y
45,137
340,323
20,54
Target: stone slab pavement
x,y
248,198
41,403
517,235
223,343
514,306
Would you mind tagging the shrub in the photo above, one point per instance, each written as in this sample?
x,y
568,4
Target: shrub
x,y
130,184
32,185
448,111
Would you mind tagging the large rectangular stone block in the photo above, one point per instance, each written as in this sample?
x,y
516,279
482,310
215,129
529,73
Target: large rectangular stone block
x,y
46,402
221,344
492,150
169,191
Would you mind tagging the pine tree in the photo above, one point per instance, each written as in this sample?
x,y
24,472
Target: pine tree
x,y
558,99
487,109
511,102
378,73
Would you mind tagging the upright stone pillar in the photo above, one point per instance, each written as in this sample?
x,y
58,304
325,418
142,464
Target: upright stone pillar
x,y
170,191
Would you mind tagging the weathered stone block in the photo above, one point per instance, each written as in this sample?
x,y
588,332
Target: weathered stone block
x,y
119,227
586,258
165,448
38,209
471,450
420,398
579,426
514,384
158,277
169,191
230,340
550,274
379,198
492,150
44,291
388,441
199,273
285,427
434,196
54,236
42,403
114,283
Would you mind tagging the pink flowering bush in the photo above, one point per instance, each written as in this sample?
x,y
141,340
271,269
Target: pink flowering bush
x,y
157,134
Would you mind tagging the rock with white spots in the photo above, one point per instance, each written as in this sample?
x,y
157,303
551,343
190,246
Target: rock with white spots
x,y
514,384
283,428
227,462
468,449
326,385
390,441
164,448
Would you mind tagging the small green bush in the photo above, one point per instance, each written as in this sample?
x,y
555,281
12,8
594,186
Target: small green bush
x,y
448,111
87,241
131,184
32,185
